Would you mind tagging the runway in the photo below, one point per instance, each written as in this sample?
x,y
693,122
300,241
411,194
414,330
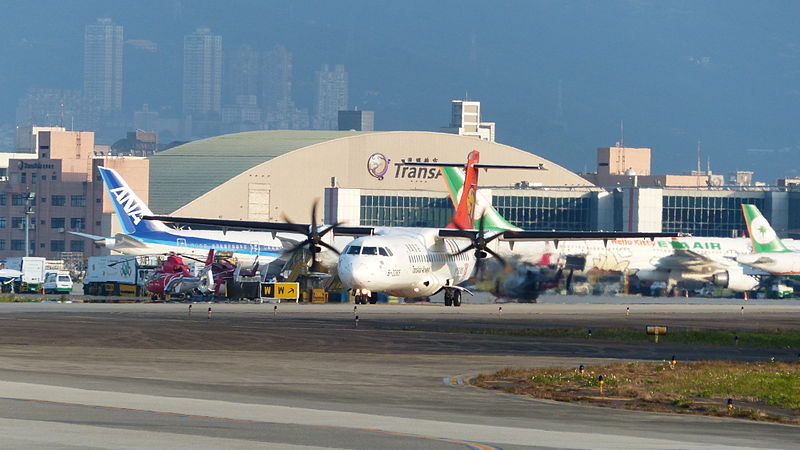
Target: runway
x,y
153,375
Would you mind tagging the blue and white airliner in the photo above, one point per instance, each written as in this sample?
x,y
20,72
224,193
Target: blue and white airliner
x,y
148,237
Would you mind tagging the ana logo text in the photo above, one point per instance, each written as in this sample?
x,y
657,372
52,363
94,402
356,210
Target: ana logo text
x,y
129,203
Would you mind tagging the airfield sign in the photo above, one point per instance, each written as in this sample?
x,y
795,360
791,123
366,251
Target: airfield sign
x,y
280,290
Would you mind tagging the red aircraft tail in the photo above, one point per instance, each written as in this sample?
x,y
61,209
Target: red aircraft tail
x,y
464,216
210,258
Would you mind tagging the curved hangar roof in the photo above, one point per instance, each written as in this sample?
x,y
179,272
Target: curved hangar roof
x,y
264,175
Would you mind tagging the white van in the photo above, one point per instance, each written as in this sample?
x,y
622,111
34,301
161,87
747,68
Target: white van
x,y
57,282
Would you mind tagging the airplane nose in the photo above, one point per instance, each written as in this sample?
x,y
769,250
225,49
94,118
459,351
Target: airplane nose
x,y
356,273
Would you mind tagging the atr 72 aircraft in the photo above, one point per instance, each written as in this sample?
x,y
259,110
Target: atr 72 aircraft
x,y
413,262
153,237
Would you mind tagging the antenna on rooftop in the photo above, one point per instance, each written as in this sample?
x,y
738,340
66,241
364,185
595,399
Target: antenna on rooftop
x,y
622,133
698,155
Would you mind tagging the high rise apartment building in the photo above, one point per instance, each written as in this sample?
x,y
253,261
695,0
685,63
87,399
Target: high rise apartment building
x,y
465,120
102,66
202,73
331,97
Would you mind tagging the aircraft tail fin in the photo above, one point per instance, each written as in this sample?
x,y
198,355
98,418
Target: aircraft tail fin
x,y
763,237
128,206
463,193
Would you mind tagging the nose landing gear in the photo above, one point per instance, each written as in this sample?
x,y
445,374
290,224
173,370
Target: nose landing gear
x,y
452,297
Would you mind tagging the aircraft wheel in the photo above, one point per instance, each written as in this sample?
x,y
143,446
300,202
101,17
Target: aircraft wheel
x,y
373,299
457,298
448,298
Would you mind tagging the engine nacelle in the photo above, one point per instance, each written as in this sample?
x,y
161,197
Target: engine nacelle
x,y
735,281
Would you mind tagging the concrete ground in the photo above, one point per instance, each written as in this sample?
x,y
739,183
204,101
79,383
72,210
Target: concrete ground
x,y
305,376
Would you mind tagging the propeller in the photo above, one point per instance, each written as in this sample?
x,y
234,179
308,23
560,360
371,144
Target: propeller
x,y
314,235
480,243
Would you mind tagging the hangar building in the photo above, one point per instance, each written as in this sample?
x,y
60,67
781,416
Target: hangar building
x,y
269,175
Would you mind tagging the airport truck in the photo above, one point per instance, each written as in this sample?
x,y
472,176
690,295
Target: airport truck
x,y
122,275
32,268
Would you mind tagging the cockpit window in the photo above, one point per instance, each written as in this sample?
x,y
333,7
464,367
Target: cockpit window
x,y
369,251
382,251
354,250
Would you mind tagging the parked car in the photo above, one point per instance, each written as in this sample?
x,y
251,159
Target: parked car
x,y
57,282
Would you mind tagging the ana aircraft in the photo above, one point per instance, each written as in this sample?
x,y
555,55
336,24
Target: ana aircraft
x,y
769,255
154,237
413,262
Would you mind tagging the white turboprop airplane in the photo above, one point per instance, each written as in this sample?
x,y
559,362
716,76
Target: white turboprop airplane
x,y
414,262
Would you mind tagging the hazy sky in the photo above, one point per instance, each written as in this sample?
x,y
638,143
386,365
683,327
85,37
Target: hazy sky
x,y
558,77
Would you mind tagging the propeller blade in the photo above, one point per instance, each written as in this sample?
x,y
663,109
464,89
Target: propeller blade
x,y
465,249
500,259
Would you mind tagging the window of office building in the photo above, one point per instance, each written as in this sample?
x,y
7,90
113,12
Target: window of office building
x,y
18,244
57,246
399,211
78,200
2,199
76,245
3,222
17,222
77,223
2,244
545,213
18,199
58,222
706,216
58,200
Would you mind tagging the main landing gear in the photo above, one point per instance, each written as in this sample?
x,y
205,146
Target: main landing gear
x,y
452,297
363,296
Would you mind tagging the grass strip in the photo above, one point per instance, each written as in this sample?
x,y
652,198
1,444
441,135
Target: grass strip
x,y
768,391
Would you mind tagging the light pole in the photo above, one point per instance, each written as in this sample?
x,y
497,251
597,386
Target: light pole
x,y
29,198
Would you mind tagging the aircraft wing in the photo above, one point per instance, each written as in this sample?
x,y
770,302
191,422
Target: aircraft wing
x,y
683,259
276,227
88,236
553,235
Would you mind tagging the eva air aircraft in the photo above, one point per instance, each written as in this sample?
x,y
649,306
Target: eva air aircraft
x,y
670,260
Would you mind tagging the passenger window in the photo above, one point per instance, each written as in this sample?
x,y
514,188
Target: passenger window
x,y
354,250
382,251
369,251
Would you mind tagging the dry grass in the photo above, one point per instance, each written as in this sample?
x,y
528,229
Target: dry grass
x,y
768,391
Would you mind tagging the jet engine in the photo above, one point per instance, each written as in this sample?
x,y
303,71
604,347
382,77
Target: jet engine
x,y
735,281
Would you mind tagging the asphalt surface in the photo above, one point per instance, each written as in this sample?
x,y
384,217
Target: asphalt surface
x,y
306,376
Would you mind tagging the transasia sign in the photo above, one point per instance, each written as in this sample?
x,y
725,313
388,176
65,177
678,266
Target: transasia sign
x,y
378,166
24,165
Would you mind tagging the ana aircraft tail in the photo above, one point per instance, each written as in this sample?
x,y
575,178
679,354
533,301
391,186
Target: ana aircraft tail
x,y
468,201
763,237
128,206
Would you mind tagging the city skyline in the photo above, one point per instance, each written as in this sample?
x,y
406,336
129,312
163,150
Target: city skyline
x,y
558,79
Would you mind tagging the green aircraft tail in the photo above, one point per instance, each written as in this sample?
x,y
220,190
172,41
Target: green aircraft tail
x,y
492,220
763,237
